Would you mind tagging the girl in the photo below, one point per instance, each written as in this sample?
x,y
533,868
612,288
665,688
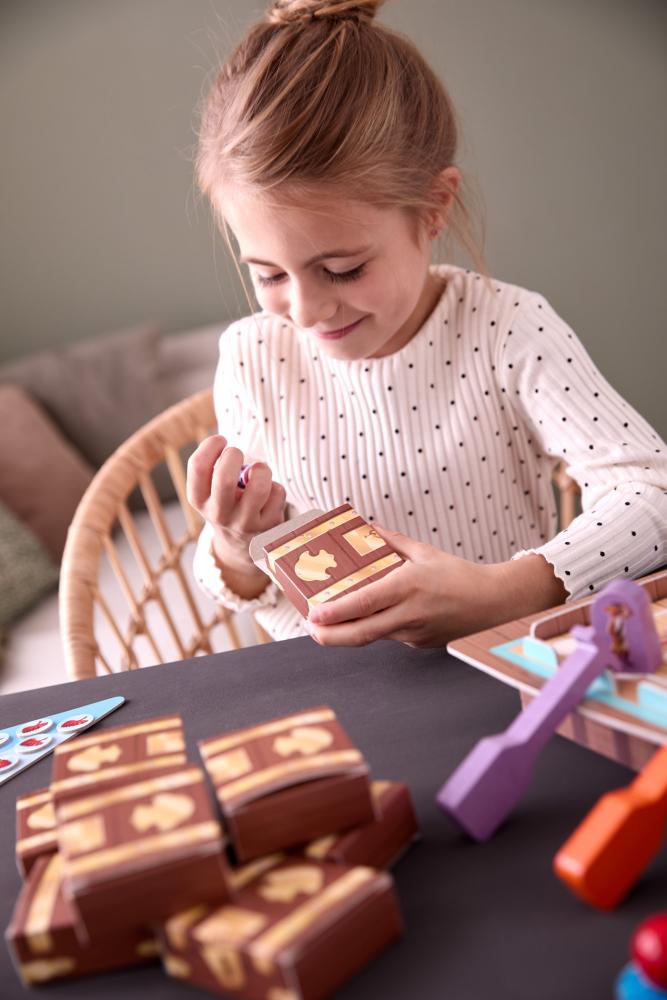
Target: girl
x,y
435,400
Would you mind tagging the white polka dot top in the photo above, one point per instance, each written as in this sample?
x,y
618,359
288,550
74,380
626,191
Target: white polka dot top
x,y
451,440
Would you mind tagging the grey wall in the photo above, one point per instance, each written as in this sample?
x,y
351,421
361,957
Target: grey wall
x,y
563,106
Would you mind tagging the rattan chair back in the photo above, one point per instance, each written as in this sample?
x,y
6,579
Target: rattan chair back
x,y
157,613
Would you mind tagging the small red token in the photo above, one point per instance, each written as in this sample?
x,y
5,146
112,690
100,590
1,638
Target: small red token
x,y
74,723
33,743
38,726
649,949
7,762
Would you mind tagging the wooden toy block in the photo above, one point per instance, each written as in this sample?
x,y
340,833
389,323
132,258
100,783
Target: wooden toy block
x,y
607,853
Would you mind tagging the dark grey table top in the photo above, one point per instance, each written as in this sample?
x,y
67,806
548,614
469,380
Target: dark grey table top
x,y
482,920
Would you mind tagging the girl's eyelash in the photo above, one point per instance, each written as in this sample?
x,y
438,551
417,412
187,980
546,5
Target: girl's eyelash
x,y
333,276
352,275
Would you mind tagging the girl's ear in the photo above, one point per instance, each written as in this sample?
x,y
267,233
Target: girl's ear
x,y
445,188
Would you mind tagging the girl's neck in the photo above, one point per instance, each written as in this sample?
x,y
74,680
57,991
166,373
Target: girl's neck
x,y
434,286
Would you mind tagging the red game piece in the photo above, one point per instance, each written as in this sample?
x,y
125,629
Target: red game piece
x,y
74,723
7,761
38,726
649,949
33,743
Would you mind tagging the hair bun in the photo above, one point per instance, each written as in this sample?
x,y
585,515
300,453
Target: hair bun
x,y
293,11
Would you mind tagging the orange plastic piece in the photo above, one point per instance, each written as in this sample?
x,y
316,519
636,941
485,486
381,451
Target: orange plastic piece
x,y
609,850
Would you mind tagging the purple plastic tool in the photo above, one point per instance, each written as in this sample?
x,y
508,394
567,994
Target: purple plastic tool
x,y
487,785
244,476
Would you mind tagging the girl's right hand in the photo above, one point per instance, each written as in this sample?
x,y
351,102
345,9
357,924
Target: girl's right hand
x,y
235,515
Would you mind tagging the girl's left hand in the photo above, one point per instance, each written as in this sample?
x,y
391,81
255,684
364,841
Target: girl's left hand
x,y
432,598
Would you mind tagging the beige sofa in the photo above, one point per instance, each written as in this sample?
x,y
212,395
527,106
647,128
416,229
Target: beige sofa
x,y
84,421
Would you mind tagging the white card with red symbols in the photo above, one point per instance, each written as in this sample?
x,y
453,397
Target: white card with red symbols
x,y
27,742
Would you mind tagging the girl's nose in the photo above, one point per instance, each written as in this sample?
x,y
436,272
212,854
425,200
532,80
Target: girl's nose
x,y
311,306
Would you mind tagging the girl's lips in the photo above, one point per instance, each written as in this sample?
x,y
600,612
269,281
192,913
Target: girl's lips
x,y
337,334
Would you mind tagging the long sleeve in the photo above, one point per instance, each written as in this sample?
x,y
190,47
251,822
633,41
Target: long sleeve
x,y
237,422
614,455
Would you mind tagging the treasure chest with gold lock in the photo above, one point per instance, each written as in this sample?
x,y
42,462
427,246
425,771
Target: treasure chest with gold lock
x,y
140,851
35,828
288,781
42,937
379,843
317,556
116,756
296,930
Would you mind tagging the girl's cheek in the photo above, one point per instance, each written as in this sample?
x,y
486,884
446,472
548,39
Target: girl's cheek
x,y
268,298
277,303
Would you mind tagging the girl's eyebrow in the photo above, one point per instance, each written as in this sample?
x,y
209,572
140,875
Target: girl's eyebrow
x,y
328,255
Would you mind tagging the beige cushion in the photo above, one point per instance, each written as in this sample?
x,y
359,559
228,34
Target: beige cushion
x,y
98,391
43,476
188,361
26,572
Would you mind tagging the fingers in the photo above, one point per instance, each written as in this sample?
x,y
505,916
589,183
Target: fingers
x,y
212,488
368,600
407,547
224,488
357,633
200,469
273,511
262,502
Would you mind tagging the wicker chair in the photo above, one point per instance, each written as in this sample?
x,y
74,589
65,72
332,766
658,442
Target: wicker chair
x,y
156,613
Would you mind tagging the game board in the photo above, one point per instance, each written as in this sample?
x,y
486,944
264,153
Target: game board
x,y
623,717
24,743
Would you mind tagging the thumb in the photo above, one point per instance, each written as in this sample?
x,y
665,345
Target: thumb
x,y
407,547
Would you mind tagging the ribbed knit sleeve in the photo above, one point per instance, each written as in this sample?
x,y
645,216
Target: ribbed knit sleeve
x,y
240,424
614,455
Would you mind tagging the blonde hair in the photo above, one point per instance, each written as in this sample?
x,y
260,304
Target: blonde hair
x,y
316,93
